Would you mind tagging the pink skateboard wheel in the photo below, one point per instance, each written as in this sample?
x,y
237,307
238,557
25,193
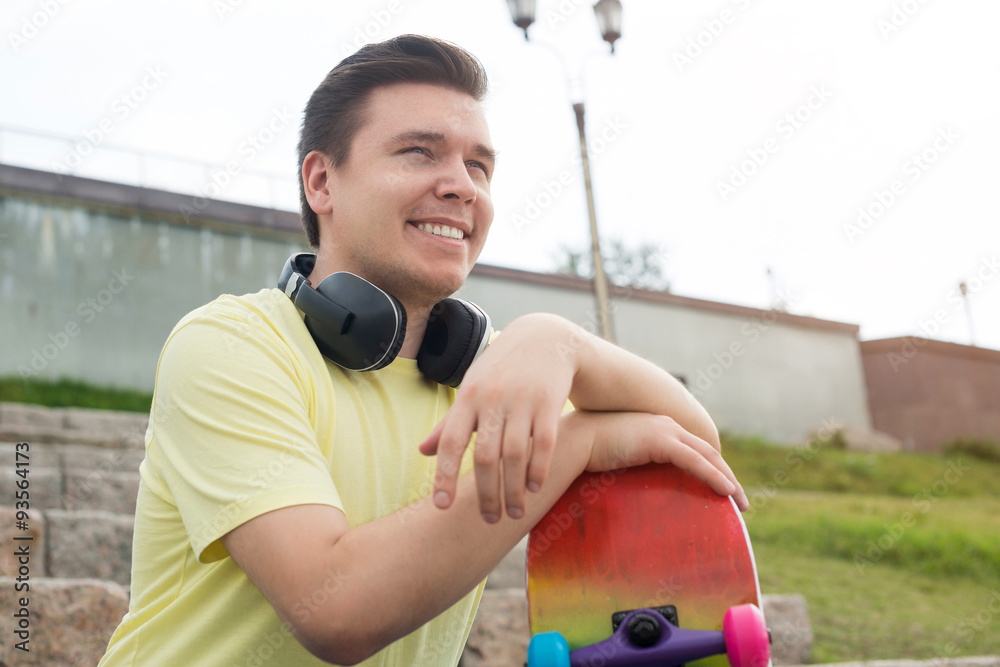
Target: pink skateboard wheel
x,y
747,642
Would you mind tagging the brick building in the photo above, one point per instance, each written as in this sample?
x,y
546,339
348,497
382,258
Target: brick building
x,y
928,392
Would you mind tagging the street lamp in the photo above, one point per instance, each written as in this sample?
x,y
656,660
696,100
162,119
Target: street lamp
x,y
609,21
608,12
522,12
964,289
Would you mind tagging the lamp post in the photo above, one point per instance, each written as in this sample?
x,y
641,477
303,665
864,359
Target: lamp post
x,y
609,21
964,289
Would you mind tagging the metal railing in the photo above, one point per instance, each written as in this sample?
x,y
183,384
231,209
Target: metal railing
x,y
103,160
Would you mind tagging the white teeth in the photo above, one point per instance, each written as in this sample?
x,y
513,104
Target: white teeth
x,y
442,230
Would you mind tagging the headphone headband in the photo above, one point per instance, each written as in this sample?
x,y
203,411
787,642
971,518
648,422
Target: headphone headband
x,y
361,327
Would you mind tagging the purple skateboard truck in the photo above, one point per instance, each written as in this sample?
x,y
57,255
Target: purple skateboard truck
x,y
646,637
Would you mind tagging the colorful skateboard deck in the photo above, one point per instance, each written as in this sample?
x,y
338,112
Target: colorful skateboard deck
x,y
645,537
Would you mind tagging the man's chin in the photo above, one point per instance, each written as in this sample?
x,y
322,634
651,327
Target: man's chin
x,y
418,293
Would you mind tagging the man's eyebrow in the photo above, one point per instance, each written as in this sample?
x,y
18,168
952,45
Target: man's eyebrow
x,y
485,152
427,137
418,137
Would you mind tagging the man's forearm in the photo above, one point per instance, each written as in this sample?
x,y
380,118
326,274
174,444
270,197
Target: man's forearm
x,y
408,567
612,379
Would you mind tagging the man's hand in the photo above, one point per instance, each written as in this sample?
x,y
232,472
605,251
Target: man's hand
x,y
627,439
511,398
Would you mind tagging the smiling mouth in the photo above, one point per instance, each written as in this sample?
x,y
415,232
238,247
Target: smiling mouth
x,y
446,231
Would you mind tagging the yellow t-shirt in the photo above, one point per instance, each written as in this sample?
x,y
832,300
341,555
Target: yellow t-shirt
x,y
248,417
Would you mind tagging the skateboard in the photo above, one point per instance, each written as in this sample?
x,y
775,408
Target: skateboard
x,y
642,566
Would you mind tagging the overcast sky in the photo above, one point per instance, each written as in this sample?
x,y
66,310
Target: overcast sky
x,y
850,146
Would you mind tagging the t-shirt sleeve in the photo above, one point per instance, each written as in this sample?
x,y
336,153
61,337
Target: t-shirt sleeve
x,y
233,436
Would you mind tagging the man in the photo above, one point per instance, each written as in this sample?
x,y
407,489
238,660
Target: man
x,y
286,515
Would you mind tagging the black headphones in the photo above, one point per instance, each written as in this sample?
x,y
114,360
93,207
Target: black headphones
x,y
360,327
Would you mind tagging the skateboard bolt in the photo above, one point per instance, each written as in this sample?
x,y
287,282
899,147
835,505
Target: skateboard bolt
x,y
643,630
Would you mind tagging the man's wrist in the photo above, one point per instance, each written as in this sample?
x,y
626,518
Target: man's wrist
x,y
568,340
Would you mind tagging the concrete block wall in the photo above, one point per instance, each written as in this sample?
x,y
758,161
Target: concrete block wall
x,y
93,276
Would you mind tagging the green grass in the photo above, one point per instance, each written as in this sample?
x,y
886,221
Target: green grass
x,y
884,612
70,393
898,555
958,536
827,468
987,450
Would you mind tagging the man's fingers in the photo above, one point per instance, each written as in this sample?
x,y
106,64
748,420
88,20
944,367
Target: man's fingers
x,y
707,463
543,443
429,446
489,439
452,442
515,453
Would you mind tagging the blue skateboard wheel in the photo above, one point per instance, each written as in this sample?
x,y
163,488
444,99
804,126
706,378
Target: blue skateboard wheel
x,y
548,649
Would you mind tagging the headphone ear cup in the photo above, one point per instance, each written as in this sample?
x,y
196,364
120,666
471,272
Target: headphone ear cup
x,y
371,337
457,331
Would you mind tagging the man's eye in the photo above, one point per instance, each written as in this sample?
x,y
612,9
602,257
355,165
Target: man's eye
x,y
416,149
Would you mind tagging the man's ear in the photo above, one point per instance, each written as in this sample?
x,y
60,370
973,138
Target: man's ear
x,y
315,169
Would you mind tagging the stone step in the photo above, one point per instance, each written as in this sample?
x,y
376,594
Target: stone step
x,y
64,476
80,419
34,424
499,635
84,544
51,488
69,621
510,572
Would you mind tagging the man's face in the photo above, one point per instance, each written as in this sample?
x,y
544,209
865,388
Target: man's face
x,y
411,206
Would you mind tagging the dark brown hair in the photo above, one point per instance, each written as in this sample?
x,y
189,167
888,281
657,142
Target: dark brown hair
x,y
336,110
